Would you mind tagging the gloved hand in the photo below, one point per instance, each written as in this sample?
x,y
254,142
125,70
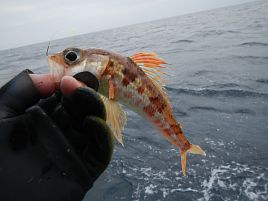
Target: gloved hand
x,y
53,150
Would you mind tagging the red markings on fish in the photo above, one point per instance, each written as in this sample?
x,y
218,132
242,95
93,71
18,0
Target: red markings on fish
x,y
140,90
125,81
149,110
158,103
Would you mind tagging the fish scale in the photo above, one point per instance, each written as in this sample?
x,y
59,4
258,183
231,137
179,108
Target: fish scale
x,y
148,102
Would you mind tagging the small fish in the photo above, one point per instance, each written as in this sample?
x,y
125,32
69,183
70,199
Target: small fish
x,y
132,81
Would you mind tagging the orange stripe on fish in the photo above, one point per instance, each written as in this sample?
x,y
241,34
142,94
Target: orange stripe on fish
x,y
135,82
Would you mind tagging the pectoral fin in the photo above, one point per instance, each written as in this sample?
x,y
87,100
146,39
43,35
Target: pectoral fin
x,y
111,90
115,117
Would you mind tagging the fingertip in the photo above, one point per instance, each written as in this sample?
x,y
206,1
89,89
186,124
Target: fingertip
x,y
68,85
44,84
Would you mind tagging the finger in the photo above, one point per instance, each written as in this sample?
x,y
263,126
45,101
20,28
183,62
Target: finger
x,y
69,84
44,83
82,79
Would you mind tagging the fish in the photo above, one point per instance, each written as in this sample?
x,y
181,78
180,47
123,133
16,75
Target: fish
x,y
136,82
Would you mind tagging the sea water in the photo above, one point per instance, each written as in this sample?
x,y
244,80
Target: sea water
x,y
218,88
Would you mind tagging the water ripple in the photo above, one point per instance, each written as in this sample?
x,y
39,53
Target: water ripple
x,y
254,44
183,41
212,109
250,57
225,93
262,80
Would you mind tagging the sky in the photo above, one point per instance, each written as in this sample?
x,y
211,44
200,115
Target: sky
x,y
24,22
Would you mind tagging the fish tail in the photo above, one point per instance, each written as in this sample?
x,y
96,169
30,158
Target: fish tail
x,y
194,149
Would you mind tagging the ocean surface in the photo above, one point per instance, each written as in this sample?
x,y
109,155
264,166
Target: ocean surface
x,y
218,87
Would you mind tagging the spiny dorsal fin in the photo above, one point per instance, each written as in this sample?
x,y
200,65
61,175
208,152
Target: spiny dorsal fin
x,y
115,117
150,64
148,59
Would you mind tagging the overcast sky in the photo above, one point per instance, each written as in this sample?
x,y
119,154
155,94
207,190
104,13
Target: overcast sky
x,y
24,22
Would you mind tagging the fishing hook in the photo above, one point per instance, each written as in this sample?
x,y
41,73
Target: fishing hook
x,y
48,48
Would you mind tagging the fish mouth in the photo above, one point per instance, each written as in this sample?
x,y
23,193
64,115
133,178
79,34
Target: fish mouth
x,y
88,79
56,70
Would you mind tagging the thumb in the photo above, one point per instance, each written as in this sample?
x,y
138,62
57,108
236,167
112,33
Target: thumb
x,y
19,94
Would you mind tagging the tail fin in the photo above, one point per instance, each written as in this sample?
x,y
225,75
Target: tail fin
x,y
194,149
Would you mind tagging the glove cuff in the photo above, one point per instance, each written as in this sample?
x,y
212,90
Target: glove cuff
x,y
17,95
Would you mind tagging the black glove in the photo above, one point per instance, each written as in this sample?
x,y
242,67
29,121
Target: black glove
x,y
53,150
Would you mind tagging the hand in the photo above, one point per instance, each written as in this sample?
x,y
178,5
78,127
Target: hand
x,y
53,150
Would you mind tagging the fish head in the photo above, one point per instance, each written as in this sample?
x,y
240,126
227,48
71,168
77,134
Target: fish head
x,y
72,61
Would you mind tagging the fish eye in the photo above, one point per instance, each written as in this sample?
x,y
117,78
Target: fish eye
x,y
71,56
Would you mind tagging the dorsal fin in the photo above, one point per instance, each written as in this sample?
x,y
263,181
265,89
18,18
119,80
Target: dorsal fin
x,y
151,65
115,117
148,58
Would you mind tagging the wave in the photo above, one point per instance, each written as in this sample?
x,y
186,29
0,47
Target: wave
x,y
244,111
183,41
251,57
216,32
225,85
247,183
264,81
204,108
202,72
254,44
233,31
225,93
178,112
212,109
